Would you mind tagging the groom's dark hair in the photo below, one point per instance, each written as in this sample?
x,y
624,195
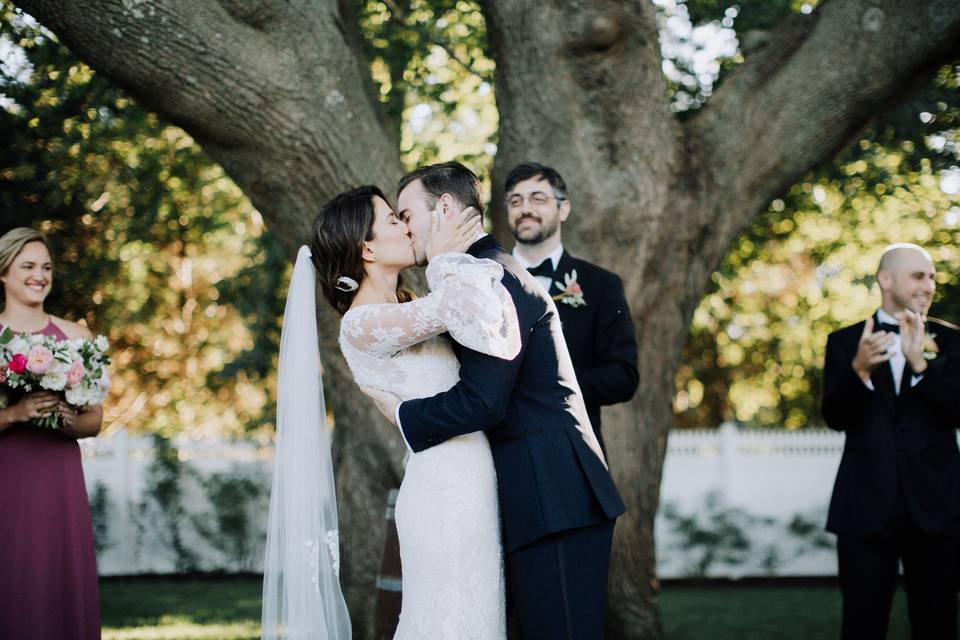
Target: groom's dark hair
x,y
447,177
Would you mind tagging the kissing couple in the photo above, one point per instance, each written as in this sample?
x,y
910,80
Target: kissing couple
x,y
506,502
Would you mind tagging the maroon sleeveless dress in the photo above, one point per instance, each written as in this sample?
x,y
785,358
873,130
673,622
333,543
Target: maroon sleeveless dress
x,y
48,569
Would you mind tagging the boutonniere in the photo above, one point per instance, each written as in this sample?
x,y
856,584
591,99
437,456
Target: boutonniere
x,y
571,292
930,348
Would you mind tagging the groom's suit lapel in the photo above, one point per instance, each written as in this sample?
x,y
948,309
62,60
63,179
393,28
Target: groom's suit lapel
x,y
481,246
882,378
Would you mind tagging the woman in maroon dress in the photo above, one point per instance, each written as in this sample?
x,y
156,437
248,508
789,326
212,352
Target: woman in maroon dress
x,y
48,571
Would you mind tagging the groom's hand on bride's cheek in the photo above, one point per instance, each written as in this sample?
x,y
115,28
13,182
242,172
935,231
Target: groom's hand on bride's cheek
x,y
386,402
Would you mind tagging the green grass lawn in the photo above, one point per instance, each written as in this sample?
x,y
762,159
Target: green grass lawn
x,y
173,609
229,609
761,613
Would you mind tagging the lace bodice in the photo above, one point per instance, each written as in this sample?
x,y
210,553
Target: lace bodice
x,y
400,347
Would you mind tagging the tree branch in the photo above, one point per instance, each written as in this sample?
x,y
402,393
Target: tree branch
x,y
805,93
185,46
276,105
258,14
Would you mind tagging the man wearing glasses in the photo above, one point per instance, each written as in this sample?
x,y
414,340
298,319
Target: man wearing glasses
x,y
593,309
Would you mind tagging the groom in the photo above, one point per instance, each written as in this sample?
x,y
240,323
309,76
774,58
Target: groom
x,y
558,502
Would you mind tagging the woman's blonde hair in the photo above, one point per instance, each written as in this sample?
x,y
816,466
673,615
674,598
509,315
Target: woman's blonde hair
x,y
11,244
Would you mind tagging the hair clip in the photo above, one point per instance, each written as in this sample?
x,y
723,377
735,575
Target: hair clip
x,y
347,284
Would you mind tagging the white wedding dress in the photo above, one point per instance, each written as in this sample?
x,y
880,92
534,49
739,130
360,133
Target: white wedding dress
x,y
447,512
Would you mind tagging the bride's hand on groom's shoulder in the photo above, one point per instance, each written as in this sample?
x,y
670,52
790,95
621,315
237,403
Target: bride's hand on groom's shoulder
x,y
386,402
454,232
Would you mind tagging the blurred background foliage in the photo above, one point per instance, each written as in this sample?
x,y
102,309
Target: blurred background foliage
x,y
428,60
160,251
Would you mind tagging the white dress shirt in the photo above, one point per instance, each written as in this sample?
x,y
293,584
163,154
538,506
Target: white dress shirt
x,y
554,258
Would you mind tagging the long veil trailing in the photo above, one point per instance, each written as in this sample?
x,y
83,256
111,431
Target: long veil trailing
x,y
302,599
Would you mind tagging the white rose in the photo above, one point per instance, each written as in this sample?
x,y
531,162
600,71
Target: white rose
x,y
19,345
57,367
101,343
78,396
97,397
54,380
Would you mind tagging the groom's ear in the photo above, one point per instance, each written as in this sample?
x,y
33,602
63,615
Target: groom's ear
x,y
446,204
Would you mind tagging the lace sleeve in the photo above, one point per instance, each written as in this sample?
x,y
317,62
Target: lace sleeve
x,y
473,304
467,300
381,330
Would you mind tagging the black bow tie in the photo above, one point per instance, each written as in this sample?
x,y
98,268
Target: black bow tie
x,y
545,269
886,326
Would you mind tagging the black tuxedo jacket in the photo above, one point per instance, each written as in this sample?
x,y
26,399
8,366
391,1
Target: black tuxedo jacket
x,y
548,479
905,442
600,337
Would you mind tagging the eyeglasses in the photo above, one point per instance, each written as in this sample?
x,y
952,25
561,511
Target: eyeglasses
x,y
537,199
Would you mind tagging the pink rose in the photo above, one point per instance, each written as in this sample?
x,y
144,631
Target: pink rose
x,y
18,364
574,289
39,360
75,374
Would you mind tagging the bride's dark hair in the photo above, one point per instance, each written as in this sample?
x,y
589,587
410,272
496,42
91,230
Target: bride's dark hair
x,y
336,244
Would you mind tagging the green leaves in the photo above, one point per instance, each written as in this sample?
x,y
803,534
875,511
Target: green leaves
x,y
434,78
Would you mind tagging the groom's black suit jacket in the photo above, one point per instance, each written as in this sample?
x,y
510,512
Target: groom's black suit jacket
x,y
902,444
600,336
548,479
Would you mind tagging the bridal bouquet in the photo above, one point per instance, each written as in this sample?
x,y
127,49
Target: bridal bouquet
x,y
76,369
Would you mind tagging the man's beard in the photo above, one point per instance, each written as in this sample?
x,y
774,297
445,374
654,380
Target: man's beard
x,y
910,303
545,232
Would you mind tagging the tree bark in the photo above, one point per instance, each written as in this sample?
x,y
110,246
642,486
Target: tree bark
x,y
279,94
580,88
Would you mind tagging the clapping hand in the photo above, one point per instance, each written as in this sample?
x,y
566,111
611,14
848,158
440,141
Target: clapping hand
x,y
453,233
873,350
912,333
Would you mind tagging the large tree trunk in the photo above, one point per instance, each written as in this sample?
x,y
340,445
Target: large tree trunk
x,y
279,94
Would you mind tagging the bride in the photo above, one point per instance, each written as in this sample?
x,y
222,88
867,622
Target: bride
x,y
447,511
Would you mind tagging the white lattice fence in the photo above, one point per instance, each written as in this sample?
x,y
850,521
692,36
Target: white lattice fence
x,y
734,502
